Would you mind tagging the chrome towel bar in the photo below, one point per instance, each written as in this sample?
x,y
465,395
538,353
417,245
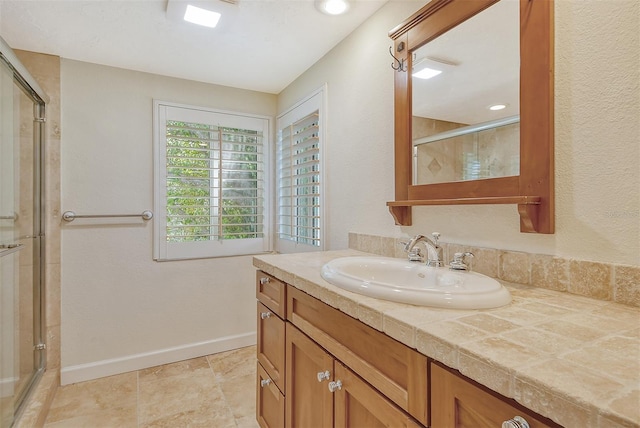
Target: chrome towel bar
x,y
70,215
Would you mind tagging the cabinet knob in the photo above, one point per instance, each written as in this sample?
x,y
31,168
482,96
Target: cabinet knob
x,y
265,315
264,280
265,382
323,375
516,422
335,385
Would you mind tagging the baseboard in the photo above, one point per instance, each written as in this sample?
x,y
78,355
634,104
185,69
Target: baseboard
x,y
98,369
8,386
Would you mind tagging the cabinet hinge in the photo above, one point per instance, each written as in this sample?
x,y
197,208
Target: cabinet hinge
x,y
40,347
40,119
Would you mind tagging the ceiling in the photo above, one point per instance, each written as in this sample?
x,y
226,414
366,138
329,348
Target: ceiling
x,y
263,45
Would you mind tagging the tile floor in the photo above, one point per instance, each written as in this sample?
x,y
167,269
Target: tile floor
x,y
216,391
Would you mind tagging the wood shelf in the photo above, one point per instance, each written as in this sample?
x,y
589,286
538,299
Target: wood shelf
x,y
527,208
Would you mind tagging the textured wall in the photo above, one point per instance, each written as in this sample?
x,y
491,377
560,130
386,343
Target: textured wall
x,y
116,301
597,133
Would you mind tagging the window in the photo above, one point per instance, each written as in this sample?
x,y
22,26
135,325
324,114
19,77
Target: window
x,y
299,177
210,183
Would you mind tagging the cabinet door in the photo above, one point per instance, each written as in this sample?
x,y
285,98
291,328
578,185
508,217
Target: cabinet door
x,y
270,347
269,402
459,403
309,402
359,405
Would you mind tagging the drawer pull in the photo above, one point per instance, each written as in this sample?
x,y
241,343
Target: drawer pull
x,y
265,382
516,422
323,376
334,386
264,280
265,315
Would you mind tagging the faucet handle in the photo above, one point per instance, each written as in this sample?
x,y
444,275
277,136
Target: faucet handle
x,y
436,236
458,262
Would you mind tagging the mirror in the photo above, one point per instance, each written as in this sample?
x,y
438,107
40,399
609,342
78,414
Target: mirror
x,y
524,175
467,80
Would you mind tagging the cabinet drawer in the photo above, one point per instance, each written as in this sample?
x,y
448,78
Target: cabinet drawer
x,y
269,402
394,369
270,347
457,402
272,293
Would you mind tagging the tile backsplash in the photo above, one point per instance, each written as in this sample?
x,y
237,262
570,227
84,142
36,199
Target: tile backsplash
x,y
603,281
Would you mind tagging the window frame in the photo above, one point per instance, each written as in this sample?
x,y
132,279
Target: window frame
x,y
317,100
166,251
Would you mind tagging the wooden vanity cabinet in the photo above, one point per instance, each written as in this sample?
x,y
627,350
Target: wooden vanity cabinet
x,y
394,369
312,403
457,402
304,345
271,310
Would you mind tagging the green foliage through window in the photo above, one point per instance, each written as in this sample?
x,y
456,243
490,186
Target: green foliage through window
x,y
214,182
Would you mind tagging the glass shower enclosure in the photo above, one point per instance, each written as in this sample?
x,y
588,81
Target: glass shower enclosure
x,y
22,348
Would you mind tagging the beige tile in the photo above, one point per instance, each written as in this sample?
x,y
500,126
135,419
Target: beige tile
x,y
486,372
549,272
502,352
180,368
93,398
545,309
488,323
240,395
620,355
624,408
568,329
543,341
590,279
485,261
561,410
514,267
234,364
388,247
626,286
402,332
568,381
126,417
434,340
517,314
181,398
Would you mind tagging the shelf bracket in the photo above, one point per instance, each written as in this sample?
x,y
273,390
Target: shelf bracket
x,y
401,215
528,217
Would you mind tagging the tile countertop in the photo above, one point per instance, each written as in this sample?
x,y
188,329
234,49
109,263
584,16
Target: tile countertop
x,y
572,359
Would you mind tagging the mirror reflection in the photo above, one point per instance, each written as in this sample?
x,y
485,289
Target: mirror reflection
x,y
465,100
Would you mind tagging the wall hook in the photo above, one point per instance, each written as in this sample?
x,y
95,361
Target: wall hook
x,y
398,64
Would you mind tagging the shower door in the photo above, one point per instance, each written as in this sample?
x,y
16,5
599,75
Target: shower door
x,y
21,349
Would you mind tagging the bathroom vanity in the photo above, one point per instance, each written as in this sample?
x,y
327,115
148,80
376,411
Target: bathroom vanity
x,y
328,357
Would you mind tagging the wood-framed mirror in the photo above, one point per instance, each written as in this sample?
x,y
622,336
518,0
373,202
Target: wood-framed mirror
x,y
530,185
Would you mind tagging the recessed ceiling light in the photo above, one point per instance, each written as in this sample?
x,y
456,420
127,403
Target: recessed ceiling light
x,y
204,17
332,7
497,107
426,73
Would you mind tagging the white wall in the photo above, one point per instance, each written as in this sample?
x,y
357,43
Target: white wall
x,y
597,134
120,309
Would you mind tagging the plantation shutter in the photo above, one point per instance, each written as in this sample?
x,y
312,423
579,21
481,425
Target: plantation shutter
x,y
299,178
211,177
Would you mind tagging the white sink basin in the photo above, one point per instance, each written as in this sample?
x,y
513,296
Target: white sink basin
x,y
412,282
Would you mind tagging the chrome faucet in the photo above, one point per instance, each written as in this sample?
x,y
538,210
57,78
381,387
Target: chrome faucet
x,y
434,251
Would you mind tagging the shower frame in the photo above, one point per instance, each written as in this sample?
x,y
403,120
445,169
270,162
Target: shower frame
x,y
32,89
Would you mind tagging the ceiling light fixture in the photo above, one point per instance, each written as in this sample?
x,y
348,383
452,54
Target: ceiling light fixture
x,y
496,107
426,68
199,16
332,7
426,73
